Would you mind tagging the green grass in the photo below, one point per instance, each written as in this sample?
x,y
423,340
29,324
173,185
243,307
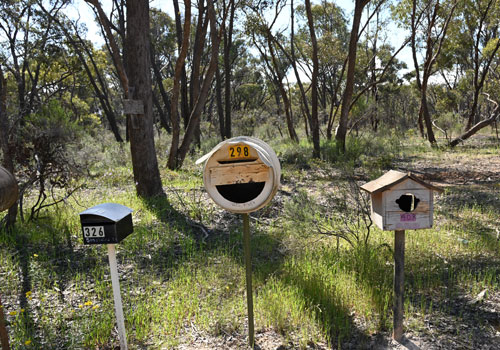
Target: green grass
x,y
182,270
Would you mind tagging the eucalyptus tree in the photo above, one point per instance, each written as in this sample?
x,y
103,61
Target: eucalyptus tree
x,y
133,67
473,50
38,105
178,153
341,133
163,43
314,82
270,46
330,26
428,22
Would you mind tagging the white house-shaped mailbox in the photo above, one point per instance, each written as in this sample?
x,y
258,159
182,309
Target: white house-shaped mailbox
x,y
241,174
401,201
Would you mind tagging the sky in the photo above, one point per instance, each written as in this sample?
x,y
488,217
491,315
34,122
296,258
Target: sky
x,y
82,10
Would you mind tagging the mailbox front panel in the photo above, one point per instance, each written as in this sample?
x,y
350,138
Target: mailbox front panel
x,y
99,233
409,209
99,230
239,178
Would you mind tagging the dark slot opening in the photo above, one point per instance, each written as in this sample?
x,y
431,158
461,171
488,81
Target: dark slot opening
x,y
246,160
407,202
241,193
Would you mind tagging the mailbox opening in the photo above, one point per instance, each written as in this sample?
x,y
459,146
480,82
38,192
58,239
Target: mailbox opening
x,y
408,202
241,193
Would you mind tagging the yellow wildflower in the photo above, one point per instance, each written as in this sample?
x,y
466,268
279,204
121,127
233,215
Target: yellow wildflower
x,y
35,255
27,342
95,307
13,313
28,294
88,303
22,310
80,306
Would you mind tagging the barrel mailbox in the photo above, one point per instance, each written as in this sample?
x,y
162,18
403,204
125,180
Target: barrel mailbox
x,y
241,174
106,223
8,189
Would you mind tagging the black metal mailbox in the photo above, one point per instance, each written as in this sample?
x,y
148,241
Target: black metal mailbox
x,y
106,223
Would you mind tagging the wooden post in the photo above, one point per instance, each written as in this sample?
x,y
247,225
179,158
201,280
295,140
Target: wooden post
x,y
399,263
248,266
4,336
120,320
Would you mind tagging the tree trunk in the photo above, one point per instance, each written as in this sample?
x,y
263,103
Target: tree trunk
x,y
194,118
145,165
164,96
179,65
284,96
482,124
183,76
314,84
228,43
340,135
220,108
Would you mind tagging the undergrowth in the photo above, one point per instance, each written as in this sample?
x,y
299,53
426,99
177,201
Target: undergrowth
x,y
182,270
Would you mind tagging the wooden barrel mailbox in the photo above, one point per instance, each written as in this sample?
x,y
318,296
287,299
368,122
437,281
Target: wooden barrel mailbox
x,y
8,189
241,174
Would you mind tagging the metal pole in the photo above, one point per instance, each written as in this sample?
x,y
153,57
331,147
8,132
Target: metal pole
x,y
399,276
120,320
248,266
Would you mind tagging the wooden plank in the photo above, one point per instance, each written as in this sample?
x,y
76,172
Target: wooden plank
x,y
238,173
409,185
406,221
378,220
133,107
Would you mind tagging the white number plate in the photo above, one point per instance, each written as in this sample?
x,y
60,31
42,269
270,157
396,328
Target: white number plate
x,y
93,231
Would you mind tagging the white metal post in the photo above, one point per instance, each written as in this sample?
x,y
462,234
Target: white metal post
x,y
120,320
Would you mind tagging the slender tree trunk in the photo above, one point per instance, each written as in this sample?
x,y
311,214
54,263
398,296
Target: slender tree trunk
x,y
142,147
340,135
183,49
284,96
228,43
183,76
314,84
164,96
195,116
220,108
480,125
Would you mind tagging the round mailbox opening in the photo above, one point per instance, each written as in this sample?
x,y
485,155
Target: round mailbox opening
x,y
407,202
241,193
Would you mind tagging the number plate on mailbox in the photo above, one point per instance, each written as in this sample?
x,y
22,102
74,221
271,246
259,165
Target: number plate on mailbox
x,y
239,151
93,231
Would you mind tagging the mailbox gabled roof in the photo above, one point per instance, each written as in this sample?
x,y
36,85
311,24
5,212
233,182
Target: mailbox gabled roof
x,y
392,178
112,211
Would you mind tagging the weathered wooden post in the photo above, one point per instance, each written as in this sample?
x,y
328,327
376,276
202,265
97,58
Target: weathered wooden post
x,y
242,175
8,196
399,202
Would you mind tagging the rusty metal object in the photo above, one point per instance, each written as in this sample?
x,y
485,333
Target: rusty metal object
x,y
8,189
